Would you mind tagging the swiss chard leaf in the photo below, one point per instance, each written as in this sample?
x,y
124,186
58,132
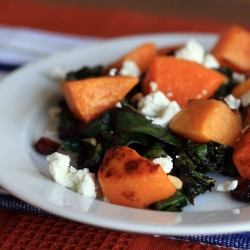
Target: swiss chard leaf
x,y
69,126
176,202
211,156
226,88
194,182
75,145
94,128
126,121
155,151
91,158
85,72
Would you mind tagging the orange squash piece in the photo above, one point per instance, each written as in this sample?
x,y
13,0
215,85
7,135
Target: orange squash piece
x,y
205,120
241,155
241,88
233,49
130,180
182,80
87,98
141,55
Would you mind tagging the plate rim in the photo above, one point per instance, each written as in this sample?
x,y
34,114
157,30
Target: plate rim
x,y
173,229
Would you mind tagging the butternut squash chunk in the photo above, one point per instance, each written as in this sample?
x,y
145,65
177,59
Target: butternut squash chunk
x,y
233,49
205,120
241,88
142,56
87,98
182,80
128,179
241,155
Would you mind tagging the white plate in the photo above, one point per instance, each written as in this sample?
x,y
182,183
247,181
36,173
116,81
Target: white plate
x,y
25,97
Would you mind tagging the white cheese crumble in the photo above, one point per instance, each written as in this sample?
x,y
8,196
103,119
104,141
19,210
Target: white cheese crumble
x,y
130,68
158,108
235,211
232,102
85,182
193,51
210,62
118,105
171,110
54,114
165,162
81,181
238,77
58,73
113,71
61,171
227,186
245,98
153,86
153,104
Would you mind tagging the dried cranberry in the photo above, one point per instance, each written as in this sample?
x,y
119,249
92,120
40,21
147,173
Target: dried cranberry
x,y
46,146
242,192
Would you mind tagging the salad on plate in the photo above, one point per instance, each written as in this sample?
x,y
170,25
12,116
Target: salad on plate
x,y
147,130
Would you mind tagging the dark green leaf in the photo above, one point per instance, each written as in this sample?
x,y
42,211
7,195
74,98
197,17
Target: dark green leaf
x,y
69,126
155,151
226,88
194,182
211,156
174,203
93,128
127,121
91,158
85,72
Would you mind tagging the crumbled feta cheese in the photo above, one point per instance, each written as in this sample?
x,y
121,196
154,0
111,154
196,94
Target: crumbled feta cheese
x,y
192,51
238,77
58,73
81,181
130,68
113,72
85,182
211,62
165,162
153,86
232,102
235,211
153,104
227,186
245,98
61,171
171,110
118,105
158,108
54,113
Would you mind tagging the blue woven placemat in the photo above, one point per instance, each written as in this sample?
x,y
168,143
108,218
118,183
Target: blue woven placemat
x,y
237,241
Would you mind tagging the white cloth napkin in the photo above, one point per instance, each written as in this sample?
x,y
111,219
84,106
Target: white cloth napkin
x,y
21,45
